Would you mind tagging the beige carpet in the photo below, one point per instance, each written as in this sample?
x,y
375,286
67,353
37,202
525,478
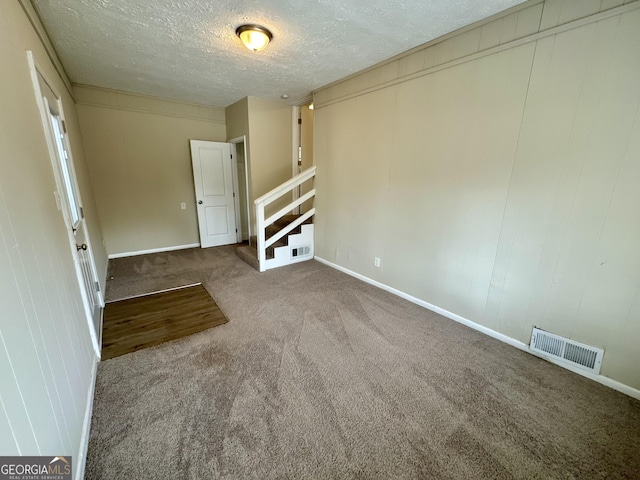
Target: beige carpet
x,y
318,375
133,276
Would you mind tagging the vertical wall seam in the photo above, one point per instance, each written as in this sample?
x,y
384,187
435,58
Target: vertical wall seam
x,y
546,305
46,353
509,189
26,410
13,435
604,219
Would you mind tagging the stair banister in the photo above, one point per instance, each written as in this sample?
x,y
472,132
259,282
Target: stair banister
x,y
287,186
278,215
269,198
289,227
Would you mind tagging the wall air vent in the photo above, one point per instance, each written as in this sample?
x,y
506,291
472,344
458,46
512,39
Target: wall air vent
x,y
566,351
300,251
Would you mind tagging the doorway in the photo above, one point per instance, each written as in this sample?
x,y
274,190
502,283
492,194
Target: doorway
x,y
243,205
302,151
69,200
213,178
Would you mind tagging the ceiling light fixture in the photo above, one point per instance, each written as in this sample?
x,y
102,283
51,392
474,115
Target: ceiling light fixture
x,y
254,37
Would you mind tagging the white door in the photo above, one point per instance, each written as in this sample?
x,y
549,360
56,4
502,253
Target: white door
x,y
213,180
69,201
86,265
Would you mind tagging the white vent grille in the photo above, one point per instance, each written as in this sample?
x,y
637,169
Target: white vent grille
x,y
300,251
567,351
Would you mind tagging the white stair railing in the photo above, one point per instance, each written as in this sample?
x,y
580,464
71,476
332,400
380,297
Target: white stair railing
x,y
272,196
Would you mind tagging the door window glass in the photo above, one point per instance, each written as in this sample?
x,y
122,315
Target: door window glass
x,y
65,166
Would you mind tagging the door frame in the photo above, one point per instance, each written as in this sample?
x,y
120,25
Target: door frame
x,y
35,71
296,146
202,198
235,141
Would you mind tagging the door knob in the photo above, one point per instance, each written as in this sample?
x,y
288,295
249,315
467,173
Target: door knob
x,y
81,247
199,202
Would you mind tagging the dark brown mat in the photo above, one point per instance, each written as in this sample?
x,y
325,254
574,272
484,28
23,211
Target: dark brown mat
x,y
142,322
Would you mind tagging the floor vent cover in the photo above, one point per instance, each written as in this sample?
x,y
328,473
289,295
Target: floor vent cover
x,y
567,351
300,251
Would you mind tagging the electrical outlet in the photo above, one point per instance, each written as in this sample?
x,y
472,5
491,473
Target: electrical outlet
x,y
183,206
376,262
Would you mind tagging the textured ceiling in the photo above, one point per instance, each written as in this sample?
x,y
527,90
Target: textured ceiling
x,y
187,49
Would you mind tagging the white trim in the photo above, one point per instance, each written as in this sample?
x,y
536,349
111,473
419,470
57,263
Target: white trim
x,y
236,190
609,382
261,242
153,250
287,186
101,327
36,73
234,141
606,381
86,424
283,255
295,148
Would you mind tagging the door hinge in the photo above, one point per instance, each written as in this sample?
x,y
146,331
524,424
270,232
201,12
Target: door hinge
x,y
64,126
97,286
299,121
236,230
81,213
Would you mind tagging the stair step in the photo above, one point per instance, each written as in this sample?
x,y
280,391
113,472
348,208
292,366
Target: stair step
x,y
271,230
248,254
283,242
287,219
278,225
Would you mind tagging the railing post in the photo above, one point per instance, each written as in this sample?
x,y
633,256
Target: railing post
x,y
262,254
269,198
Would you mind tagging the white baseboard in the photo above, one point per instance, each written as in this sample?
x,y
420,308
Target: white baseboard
x,y
86,426
606,381
621,387
153,250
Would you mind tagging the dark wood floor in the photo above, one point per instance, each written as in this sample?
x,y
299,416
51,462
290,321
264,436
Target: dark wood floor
x,y
142,322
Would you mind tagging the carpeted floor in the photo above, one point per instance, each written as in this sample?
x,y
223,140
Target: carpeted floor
x,y
318,375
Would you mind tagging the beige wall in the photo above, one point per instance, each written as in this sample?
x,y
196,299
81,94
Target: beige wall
x,y
270,135
46,355
496,174
139,158
267,125
237,119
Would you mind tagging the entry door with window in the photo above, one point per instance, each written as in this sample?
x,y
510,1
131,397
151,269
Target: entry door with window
x,y
213,181
69,202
